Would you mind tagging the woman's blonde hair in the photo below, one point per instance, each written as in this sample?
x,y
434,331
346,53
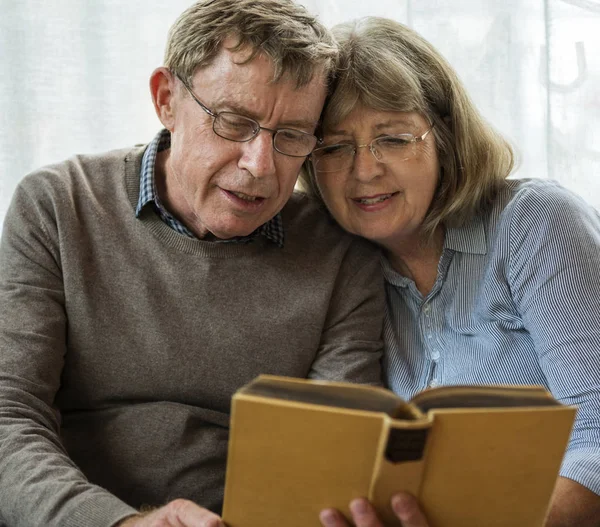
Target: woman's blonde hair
x,y
387,66
296,42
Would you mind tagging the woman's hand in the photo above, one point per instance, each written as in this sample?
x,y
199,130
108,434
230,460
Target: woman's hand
x,y
404,506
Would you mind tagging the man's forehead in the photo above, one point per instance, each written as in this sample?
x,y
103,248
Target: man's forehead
x,y
245,53
248,88
234,61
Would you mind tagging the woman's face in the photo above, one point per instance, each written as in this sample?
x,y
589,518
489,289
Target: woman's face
x,y
384,201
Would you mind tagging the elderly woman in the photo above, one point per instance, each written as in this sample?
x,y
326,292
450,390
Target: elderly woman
x,y
488,280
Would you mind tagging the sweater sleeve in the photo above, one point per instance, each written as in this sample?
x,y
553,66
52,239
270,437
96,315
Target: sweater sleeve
x,y
554,263
351,344
39,484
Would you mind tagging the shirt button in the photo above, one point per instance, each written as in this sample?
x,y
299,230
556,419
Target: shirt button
x,y
426,309
435,355
429,336
433,383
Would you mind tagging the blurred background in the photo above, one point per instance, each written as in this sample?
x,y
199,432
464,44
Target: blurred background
x,y
74,75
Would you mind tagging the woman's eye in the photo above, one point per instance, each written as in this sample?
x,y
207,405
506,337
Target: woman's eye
x,y
394,141
333,149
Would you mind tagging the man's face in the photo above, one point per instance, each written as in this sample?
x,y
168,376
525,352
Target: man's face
x,y
229,188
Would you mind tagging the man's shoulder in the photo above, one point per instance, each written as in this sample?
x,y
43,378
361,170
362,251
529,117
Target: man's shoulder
x,y
308,224
82,164
302,208
81,171
305,217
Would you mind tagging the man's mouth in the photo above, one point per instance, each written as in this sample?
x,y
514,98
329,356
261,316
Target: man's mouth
x,y
245,197
374,199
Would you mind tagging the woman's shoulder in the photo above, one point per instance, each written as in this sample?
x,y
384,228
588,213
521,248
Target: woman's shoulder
x,y
541,191
538,199
536,208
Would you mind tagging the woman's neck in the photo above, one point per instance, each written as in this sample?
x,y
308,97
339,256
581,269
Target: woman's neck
x,y
418,259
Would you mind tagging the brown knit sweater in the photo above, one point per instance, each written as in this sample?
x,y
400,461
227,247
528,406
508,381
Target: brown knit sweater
x,y
122,342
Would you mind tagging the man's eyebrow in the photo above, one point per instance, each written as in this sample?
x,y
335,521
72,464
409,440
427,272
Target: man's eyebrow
x,y
299,124
234,108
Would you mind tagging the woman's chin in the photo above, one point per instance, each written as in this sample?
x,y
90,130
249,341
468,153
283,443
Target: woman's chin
x,y
377,232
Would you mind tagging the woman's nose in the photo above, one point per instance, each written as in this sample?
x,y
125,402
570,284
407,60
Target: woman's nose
x,y
366,165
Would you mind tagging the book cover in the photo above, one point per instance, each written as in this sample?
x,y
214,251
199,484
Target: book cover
x,y
473,455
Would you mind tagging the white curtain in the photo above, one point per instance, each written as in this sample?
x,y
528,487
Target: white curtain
x,y
74,75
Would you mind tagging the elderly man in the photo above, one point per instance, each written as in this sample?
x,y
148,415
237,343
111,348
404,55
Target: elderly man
x,y
141,287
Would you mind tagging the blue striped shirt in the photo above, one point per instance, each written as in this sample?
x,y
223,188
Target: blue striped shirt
x,y
516,301
272,229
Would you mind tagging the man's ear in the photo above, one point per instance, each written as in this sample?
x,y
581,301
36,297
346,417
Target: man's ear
x,y
162,89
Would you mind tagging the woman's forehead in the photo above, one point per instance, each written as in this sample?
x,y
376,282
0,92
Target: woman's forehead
x,y
377,121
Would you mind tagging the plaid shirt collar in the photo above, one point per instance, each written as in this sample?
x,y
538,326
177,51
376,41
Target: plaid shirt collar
x,y
272,230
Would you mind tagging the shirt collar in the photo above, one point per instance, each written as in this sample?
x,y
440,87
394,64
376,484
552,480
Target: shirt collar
x,y
272,230
148,192
469,238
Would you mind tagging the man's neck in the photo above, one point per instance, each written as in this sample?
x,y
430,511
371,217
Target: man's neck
x,y
171,194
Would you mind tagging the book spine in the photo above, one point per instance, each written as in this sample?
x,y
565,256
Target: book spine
x,y
400,464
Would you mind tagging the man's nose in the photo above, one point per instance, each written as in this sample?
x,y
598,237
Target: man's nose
x,y
259,155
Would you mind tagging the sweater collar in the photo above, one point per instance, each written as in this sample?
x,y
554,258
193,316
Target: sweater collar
x,y
272,230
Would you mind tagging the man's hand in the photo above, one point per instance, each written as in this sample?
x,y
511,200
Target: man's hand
x,y
178,513
404,505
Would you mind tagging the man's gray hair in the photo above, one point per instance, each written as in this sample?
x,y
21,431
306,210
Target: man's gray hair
x,y
297,43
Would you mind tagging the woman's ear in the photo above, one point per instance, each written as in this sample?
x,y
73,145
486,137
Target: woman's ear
x,y
162,89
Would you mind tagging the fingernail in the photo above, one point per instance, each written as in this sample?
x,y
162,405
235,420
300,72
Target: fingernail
x,y
359,506
328,517
400,503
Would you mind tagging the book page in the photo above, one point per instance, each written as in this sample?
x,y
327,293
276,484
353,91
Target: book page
x,y
500,396
339,395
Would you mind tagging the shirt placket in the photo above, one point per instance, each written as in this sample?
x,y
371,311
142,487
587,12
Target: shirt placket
x,y
430,332
431,321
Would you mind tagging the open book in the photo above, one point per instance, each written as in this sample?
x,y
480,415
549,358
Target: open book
x,y
475,456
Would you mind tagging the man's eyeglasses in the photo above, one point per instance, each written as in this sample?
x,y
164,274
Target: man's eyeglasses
x,y
241,129
386,149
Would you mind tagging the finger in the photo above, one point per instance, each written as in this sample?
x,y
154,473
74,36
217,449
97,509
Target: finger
x,y
407,509
186,513
364,514
332,518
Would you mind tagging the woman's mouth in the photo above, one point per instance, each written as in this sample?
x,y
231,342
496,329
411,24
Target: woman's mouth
x,y
372,200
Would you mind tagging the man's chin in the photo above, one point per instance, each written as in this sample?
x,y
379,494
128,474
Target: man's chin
x,y
230,232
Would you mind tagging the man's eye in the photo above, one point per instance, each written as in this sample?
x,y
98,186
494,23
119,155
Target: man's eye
x,y
290,135
237,124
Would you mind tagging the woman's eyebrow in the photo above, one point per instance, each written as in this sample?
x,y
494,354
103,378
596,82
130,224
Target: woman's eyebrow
x,y
335,132
379,126
394,122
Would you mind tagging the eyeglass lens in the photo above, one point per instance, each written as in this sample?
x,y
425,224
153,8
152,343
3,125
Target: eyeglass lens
x,y
387,149
239,128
